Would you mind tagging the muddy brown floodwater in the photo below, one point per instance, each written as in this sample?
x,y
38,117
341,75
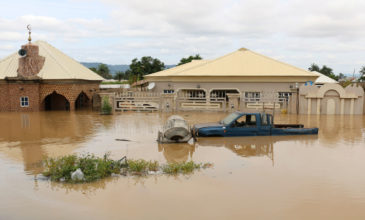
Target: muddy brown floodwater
x,y
291,177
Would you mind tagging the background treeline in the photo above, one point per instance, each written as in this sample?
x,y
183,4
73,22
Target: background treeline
x,y
147,65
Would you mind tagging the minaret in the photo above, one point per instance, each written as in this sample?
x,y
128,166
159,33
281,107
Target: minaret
x,y
30,63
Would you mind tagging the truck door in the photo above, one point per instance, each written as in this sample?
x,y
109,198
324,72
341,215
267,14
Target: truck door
x,y
265,128
246,125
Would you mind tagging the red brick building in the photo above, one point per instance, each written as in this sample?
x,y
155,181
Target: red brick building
x,y
40,77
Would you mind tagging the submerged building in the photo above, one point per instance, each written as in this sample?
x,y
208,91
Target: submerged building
x,y
250,78
40,77
248,81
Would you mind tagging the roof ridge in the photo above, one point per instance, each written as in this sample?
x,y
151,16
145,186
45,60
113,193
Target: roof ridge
x,y
52,56
68,57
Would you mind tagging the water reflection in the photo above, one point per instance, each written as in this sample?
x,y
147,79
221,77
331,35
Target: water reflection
x,y
241,146
31,137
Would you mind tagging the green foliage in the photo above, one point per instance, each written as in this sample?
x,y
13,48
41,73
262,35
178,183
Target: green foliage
x,y
138,166
325,70
184,167
362,72
103,71
189,59
153,166
119,75
314,67
139,68
142,166
106,108
93,168
93,69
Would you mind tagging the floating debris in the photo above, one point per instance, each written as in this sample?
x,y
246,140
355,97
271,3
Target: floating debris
x,y
121,139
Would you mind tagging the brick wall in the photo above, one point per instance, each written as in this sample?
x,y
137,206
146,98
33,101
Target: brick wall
x,y
69,91
10,94
4,97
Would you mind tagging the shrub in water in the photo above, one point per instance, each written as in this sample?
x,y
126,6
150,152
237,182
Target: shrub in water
x,y
94,168
106,108
184,167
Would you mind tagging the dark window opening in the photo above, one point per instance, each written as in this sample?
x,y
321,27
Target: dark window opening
x,y
56,101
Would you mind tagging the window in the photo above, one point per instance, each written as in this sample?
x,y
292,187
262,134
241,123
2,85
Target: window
x,y
220,94
168,91
245,121
24,101
252,96
194,94
284,96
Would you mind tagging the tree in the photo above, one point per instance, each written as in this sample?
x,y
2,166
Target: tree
x,y
341,76
189,59
362,74
145,66
119,75
325,70
103,71
93,69
314,67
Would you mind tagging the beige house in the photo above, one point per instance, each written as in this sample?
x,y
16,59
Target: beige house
x,y
242,80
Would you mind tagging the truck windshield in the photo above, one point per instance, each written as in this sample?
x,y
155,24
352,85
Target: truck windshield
x,y
230,118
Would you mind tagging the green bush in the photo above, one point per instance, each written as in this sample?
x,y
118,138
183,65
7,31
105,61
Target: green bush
x,y
106,107
183,167
94,168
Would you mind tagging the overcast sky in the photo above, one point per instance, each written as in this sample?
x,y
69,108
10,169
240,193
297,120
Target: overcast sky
x,y
297,32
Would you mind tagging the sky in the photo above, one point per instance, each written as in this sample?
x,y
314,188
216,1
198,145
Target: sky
x,y
297,32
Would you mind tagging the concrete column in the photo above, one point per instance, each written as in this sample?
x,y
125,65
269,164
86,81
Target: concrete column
x,y
352,106
309,106
318,106
342,106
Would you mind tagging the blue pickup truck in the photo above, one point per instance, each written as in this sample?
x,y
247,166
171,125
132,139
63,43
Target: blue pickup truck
x,y
249,124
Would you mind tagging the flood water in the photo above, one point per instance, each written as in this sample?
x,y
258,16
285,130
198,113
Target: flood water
x,y
291,177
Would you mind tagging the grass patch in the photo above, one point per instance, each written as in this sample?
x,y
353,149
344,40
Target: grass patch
x,y
183,167
94,168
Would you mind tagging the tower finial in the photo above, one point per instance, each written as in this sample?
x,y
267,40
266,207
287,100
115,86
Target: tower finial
x,y
30,32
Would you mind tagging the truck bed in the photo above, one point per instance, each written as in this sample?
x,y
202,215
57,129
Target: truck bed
x,y
288,126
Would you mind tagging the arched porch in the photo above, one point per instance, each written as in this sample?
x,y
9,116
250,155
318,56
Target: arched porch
x,y
55,101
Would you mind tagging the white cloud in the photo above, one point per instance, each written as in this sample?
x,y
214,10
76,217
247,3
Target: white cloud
x,y
297,32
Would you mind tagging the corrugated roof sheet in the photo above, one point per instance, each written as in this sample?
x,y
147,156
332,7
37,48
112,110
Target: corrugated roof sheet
x,y
57,65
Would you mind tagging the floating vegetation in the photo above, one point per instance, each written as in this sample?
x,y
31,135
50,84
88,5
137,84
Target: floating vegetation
x,y
87,168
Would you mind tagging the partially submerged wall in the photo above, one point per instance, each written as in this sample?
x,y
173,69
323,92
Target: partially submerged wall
x,y
331,99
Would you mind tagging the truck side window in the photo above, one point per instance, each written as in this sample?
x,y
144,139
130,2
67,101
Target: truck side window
x,y
264,120
251,120
240,122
